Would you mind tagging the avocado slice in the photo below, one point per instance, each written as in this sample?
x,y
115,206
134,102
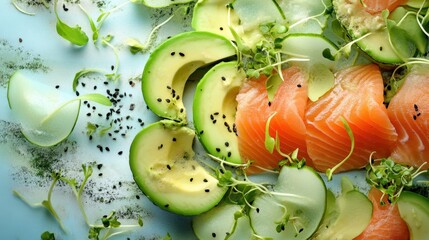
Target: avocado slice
x,y
414,209
169,66
214,110
203,20
348,215
163,166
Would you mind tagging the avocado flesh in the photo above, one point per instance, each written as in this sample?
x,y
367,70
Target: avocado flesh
x,y
162,163
170,65
414,209
203,20
214,110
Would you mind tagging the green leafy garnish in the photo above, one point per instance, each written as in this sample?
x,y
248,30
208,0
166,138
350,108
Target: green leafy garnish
x,y
137,47
87,172
390,177
109,227
269,142
74,35
47,203
330,171
47,236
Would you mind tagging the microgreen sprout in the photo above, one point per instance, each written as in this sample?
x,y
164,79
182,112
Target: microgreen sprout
x,y
110,226
15,4
87,172
75,35
47,236
47,203
390,177
136,46
330,171
92,128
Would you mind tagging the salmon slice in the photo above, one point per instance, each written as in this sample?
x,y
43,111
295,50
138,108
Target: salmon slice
x,y
357,96
409,112
376,6
254,109
386,223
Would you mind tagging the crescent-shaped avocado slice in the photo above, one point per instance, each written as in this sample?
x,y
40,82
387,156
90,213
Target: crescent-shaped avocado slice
x,y
163,166
170,65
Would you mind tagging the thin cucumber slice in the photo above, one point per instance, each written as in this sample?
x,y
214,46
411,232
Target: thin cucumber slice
x,y
309,46
214,110
348,215
161,3
296,208
170,65
225,221
40,109
163,166
414,209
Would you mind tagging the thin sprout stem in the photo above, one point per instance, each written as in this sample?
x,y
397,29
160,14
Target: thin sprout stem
x,y
223,162
15,4
285,61
115,51
418,21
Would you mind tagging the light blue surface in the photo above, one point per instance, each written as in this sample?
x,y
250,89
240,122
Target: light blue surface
x,y
55,62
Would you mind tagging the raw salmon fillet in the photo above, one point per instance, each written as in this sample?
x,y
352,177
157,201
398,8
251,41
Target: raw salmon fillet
x,y
254,109
357,97
376,6
386,223
409,112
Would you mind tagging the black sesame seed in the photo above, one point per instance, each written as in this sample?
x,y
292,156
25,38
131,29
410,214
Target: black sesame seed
x,y
214,235
207,190
221,28
20,40
201,132
168,167
120,153
181,54
257,210
174,139
137,196
416,108
77,93
65,8
100,174
167,100
99,166
269,104
217,149
173,53
205,180
223,78
227,144
160,146
107,149
88,114
112,67
414,117
58,86
191,179
229,154
166,205
299,85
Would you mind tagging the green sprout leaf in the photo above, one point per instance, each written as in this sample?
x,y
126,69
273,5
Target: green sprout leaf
x,y
391,177
330,171
75,35
47,236
269,142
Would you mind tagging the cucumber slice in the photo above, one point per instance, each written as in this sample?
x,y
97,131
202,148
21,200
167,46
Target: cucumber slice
x,y
170,65
214,110
310,46
161,3
225,221
414,209
348,215
162,163
300,212
37,107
